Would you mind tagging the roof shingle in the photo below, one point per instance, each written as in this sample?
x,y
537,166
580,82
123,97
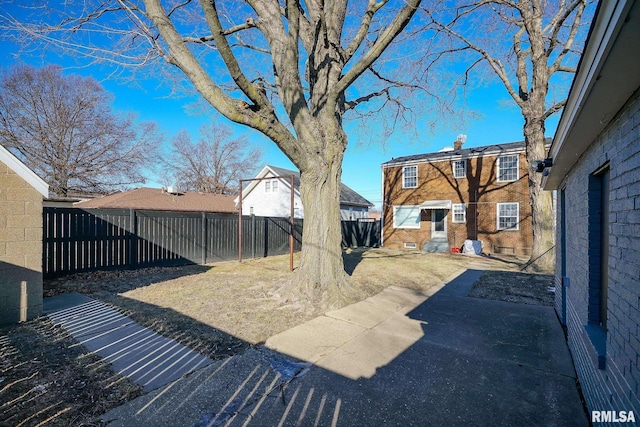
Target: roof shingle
x,y
157,199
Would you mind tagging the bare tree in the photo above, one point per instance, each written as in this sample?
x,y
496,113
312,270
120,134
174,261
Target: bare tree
x,y
213,164
528,45
63,128
285,68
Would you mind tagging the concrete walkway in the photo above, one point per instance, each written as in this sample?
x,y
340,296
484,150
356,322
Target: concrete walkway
x,y
400,358
147,358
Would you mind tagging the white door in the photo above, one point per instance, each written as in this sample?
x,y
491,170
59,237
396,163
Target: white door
x,y
438,224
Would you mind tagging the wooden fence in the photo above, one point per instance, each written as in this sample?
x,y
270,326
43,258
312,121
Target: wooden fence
x,y
76,240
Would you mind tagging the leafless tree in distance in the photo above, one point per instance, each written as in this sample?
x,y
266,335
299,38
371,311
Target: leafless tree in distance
x,y
62,128
532,46
214,163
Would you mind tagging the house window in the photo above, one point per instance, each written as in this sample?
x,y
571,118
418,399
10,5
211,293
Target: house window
x,y
410,177
598,273
599,240
508,214
274,186
267,186
406,217
460,169
459,212
508,168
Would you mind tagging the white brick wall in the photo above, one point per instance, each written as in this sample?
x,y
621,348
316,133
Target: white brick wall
x,y
617,386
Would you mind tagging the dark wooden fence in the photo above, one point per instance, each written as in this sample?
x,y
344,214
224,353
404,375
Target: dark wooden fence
x,y
78,240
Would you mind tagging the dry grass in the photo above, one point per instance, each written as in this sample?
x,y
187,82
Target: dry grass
x,y
239,299
218,310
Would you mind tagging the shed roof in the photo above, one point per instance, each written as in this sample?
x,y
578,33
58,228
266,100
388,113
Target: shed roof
x,y
158,199
23,171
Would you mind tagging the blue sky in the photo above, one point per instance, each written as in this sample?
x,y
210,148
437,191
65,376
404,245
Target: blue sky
x,y
500,121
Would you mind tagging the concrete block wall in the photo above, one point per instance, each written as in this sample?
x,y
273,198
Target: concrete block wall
x,y
479,191
616,385
20,248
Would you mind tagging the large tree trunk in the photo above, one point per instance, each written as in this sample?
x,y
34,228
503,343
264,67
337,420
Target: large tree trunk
x,y
321,274
543,221
320,280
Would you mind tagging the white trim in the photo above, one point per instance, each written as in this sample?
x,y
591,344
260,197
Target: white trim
x,y
436,204
517,227
404,180
498,168
453,213
419,213
453,167
24,172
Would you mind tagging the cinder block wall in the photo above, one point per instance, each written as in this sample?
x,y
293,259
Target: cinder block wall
x,y
617,386
20,248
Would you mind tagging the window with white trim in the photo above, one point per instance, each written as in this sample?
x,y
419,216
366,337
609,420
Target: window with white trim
x,y
508,216
459,212
267,186
459,169
406,217
274,186
410,177
508,169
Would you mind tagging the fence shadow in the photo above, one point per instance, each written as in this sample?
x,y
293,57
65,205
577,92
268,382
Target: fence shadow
x,y
117,281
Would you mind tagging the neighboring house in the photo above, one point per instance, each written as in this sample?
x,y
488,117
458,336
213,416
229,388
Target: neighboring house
x,y
21,193
157,199
436,201
596,171
272,197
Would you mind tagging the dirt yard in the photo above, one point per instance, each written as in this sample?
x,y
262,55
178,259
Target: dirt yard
x,y
219,309
513,286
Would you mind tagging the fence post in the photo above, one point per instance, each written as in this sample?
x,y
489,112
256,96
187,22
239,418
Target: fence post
x,y
203,237
253,236
133,233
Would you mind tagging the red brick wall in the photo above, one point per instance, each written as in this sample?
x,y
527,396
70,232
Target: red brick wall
x,y
479,191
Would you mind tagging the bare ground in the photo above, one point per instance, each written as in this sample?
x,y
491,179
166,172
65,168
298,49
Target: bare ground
x,y
219,310
513,286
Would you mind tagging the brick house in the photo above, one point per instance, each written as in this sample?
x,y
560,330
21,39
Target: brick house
x,y
21,193
436,201
596,171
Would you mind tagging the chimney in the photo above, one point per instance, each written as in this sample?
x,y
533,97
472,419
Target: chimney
x,y
457,145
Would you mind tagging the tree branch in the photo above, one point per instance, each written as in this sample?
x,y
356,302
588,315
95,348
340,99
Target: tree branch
x,y
557,64
218,34
554,109
384,40
372,8
496,65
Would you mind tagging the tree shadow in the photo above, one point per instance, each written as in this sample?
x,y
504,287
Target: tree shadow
x,y
118,281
